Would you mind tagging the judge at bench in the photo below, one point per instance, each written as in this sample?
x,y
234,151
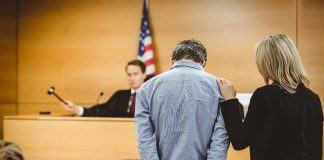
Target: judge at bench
x,y
122,102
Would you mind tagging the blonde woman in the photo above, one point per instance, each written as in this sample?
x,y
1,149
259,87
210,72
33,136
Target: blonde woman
x,y
285,118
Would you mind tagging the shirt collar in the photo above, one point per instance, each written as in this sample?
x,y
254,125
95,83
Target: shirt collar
x,y
132,91
187,63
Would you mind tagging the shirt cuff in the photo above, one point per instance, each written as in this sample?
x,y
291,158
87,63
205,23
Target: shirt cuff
x,y
79,110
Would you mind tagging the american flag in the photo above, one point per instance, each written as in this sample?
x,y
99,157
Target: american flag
x,y
145,48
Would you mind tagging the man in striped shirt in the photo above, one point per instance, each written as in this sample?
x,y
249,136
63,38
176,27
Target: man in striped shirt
x,y
177,113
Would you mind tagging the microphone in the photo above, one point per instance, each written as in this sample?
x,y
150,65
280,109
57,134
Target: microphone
x,y
97,109
51,91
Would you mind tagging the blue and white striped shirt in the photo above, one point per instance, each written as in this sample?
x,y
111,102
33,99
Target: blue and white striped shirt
x,y
177,116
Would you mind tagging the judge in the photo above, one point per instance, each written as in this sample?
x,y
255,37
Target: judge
x,y
122,102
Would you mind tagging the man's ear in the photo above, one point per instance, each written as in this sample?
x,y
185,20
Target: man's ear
x,y
172,61
203,63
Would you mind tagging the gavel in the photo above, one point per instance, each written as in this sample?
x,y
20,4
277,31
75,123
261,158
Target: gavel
x,y
51,91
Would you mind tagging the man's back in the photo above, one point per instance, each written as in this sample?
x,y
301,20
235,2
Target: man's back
x,y
183,108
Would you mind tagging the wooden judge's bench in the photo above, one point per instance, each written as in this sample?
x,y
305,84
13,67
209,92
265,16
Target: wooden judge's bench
x,y
78,138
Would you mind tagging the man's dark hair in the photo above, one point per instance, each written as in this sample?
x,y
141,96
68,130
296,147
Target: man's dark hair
x,y
137,62
10,151
190,50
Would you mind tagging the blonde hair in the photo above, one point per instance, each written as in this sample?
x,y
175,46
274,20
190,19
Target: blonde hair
x,y
10,151
278,60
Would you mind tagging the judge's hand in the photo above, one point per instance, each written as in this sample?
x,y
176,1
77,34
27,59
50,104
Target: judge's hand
x,y
226,88
69,106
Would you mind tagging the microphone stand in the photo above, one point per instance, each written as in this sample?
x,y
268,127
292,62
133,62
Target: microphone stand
x,y
97,105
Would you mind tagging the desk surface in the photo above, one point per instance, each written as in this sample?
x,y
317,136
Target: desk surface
x,y
66,118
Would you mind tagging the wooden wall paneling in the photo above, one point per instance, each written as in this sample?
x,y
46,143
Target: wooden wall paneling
x,y
68,47
8,60
6,109
80,47
229,30
8,52
310,42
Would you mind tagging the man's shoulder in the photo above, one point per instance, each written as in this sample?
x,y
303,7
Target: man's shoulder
x,y
150,82
178,75
153,82
210,76
156,78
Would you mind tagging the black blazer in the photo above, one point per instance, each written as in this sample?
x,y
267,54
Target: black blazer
x,y
278,125
116,106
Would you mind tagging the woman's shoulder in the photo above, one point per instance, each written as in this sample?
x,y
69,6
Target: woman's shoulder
x,y
302,88
266,89
275,89
267,92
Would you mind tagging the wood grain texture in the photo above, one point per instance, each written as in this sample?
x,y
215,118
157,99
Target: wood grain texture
x,y
77,138
8,59
45,107
8,51
6,109
310,42
73,138
229,30
35,108
81,47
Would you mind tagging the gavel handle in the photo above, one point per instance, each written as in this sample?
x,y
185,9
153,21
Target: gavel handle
x,y
59,98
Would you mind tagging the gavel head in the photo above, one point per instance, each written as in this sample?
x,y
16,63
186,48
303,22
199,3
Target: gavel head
x,y
50,90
